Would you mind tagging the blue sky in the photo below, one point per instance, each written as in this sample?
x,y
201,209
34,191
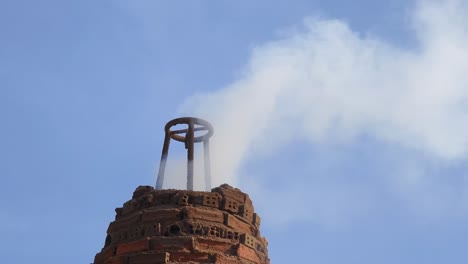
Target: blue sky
x,y
344,121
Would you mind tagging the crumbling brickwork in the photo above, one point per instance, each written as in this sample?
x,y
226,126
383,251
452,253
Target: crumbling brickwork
x,y
177,226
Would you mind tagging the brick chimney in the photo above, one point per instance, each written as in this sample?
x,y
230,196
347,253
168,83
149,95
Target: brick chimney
x,y
182,226
185,226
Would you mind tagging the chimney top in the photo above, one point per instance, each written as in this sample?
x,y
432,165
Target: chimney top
x,y
183,226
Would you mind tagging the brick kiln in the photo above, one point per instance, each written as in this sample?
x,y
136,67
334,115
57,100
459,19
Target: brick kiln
x,y
179,226
185,226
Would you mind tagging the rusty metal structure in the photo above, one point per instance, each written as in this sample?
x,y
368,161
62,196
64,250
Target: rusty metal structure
x,y
188,137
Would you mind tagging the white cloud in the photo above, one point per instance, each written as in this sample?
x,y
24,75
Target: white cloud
x,y
326,83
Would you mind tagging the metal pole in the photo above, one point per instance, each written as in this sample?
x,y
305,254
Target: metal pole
x,y
206,152
189,145
162,165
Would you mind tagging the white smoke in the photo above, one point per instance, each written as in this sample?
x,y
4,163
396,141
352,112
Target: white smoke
x,y
327,83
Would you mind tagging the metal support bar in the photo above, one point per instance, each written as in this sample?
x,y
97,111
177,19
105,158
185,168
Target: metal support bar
x,y
206,152
189,145
162,164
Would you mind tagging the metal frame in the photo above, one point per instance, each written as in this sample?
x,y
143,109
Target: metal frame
x,y
189,140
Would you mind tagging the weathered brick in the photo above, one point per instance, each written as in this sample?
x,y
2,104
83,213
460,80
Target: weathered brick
x,y
211,200
237,224
142,189
135,232
231,193
217,245
183,198
136,246
246,211
231,205
203,214
197,257
160,215
124,222
222,259
248,240
152,229
129,207
150,258
248,253
165,197
172,244
256,220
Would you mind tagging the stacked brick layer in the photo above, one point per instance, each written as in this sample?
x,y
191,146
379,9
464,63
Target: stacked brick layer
x,y
176,226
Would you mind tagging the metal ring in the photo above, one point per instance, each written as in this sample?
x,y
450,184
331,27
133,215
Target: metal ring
x,y
187,120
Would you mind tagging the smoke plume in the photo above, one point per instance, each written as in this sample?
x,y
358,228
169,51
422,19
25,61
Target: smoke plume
x,y
323,83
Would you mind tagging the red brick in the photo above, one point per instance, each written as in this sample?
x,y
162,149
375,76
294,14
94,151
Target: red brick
x,y
183,198
150,258
140,245
211,200
172,244
246,211
231,205
231,193
237,224
216,245
248,253
197,257
204,214
248,240
152,229
160,215
221,259
124,222
256,220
